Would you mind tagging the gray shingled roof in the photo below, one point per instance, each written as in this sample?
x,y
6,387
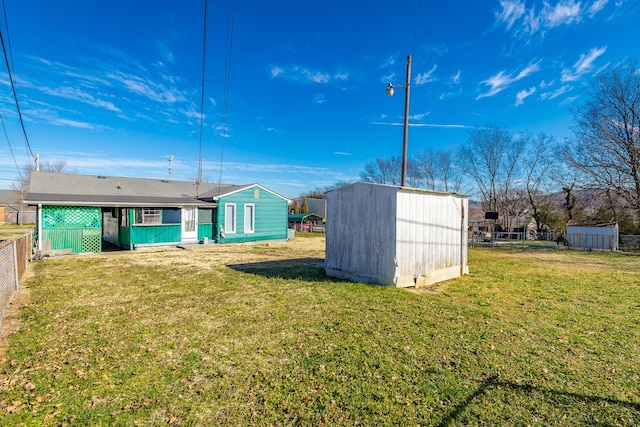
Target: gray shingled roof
x,y
97,190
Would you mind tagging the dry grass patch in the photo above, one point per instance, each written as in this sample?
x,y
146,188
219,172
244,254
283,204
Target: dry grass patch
x,y
258,335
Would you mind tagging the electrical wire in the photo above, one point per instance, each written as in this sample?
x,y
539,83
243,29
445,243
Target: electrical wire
x,y
15,96
204,63
227,79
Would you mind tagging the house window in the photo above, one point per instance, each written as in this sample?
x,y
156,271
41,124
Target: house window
x,y
230,218
124,222
148,215
249,218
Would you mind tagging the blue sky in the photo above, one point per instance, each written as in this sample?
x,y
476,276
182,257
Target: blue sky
x,y
114,87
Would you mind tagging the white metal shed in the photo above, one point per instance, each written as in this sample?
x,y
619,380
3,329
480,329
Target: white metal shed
x,y
395,236
602,235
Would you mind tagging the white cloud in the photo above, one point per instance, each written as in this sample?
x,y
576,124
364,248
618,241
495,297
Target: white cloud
x,y
425,125
427,77
319,99
520,97
597,6
565,12
276,71
302,75
583,66
341,153
455,79
556,93
500,81
418,116
388,78
524,22
511,12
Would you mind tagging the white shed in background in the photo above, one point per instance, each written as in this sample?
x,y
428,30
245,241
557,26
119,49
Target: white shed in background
x,y
588,235
395,236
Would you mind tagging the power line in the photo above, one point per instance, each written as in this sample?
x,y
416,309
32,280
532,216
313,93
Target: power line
x,y
15,95
204,62
227,79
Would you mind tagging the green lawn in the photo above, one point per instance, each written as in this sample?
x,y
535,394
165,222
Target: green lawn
x,y
530,337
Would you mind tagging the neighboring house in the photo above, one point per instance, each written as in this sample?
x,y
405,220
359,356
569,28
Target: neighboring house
x,y
590,235
13,210
316,206
80,212
396,236
306,222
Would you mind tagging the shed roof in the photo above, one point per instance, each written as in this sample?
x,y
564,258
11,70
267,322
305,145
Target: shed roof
x,y
302,216
99,190
398,188
591,223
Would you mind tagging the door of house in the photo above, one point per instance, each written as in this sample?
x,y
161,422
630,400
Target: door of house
x,y
189,229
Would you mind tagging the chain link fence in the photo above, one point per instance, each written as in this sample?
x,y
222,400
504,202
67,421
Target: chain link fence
x,y
15,255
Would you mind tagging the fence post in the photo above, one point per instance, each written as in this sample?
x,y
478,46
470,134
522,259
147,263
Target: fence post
x,y
15,263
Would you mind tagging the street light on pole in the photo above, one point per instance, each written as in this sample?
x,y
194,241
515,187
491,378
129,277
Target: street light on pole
x,y
405,136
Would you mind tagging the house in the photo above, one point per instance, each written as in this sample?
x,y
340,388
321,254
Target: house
x,y
306,222
395,236
13,210
589,235
316,206
78,213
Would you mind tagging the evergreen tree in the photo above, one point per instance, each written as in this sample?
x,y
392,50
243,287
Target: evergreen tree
x,y
296,208
305,207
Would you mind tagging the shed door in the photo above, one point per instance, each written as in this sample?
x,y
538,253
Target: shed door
x,y
189,229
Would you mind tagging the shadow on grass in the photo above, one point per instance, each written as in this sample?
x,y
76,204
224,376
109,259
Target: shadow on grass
x,y
307,269
494,382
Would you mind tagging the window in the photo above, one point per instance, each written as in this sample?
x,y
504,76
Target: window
x,y
148,215
249,218
124,222
230,218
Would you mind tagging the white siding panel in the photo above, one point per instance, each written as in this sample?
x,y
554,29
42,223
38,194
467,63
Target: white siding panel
x,y
585,237
361,233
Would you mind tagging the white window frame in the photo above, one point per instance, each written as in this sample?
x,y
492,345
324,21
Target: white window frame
x,y
151,215
230,223
252,228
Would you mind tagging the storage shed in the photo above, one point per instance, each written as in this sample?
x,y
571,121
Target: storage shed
x,y
589,235
396,236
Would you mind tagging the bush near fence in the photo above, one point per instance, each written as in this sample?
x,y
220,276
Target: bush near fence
x,y
15,255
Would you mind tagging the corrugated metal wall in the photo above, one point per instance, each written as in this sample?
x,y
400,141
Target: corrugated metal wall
x,y
361,232
431,232
392,236
593,237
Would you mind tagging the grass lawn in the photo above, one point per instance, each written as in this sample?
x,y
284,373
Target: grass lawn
x,y
258,335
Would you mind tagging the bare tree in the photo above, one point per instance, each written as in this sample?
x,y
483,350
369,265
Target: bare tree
x,y
426,167
382,171
439,170
538,161
492,158
388,171
606,143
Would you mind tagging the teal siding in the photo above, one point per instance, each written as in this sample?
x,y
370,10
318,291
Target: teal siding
x,y
271,212
150,234
205,230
